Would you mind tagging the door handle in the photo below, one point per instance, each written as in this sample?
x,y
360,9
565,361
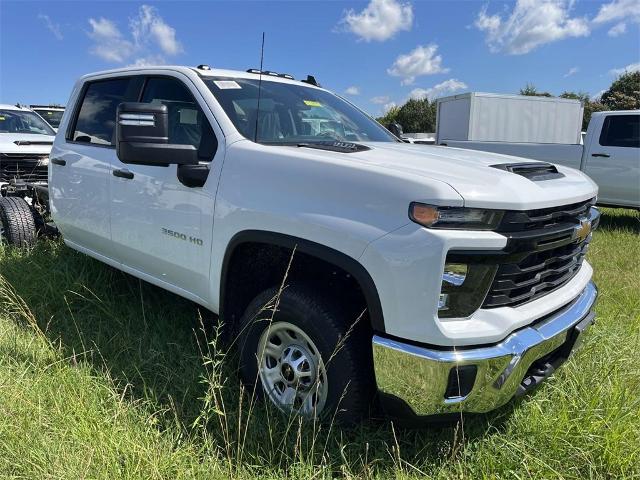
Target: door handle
x,y
58,161
123,174
603,155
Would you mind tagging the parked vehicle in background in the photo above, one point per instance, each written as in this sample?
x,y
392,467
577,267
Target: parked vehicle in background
x,y
404,273
25,144
548,129
51,113
420,138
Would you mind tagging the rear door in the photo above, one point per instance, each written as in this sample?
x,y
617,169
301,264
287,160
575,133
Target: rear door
x,y
80,164
159,226
613,160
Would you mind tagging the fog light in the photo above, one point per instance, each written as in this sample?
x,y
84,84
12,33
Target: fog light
x,y
463,289
453,276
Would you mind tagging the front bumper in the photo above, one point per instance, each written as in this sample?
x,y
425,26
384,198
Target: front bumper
x,y
434,381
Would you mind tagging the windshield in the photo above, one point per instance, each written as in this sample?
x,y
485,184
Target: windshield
x,y
293,114
22,121
53,117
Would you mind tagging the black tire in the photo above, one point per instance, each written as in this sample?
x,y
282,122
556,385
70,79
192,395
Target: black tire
x,y
17,221
349,369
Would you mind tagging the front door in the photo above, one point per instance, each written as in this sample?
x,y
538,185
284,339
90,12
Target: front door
x,y
80,164
613,161
159,226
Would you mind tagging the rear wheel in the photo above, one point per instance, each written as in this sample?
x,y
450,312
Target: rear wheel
x,y
309,356
17,225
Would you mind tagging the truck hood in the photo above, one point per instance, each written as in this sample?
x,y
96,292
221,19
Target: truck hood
x,y
471,174
25,143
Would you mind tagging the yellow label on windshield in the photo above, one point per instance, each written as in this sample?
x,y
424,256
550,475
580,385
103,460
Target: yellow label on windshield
x,y
1,118
49,113
312,103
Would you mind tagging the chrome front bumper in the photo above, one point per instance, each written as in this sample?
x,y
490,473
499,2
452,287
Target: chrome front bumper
x,y
435,381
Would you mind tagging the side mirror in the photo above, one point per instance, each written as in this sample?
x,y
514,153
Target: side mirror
x,y
396,129
142,137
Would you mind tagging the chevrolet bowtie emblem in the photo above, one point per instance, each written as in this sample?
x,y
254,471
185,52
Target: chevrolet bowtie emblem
x,y
582,231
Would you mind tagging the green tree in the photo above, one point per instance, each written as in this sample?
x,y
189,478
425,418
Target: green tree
x,y
624,92
417,116
531,91
390,117
582,96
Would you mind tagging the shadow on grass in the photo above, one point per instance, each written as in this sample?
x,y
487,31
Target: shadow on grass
x,y
150,341
620,220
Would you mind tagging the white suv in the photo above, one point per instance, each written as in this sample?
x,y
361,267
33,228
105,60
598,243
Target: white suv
x,y
447,280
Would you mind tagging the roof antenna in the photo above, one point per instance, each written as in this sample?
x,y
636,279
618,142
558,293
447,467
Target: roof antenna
x,y
255,136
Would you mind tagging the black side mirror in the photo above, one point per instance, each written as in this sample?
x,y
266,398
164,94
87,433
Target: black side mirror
x,y
142,137
396,129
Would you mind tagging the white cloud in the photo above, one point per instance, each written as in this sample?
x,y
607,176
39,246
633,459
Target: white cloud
x,y
149,26
617,29
388,106
632,67
352,90
382,99
439,90
380,20
571,71
54,28
108,42
149,60
422,60
148,33
619,10
531,24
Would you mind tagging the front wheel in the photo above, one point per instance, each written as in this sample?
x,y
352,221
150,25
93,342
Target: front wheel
x,y
304,354
17,224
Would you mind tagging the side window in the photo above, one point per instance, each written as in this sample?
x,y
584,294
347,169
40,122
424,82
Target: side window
x,y
187,123
97,115
621,131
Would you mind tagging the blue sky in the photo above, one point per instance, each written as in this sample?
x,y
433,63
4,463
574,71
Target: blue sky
x,y
377,52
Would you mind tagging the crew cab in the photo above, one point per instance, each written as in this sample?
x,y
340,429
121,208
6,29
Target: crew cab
x,y
345,261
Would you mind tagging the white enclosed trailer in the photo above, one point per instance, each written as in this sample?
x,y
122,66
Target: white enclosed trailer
x,y
493,117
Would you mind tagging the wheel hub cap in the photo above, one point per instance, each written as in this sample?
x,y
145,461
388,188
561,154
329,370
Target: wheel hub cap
x,y
291,369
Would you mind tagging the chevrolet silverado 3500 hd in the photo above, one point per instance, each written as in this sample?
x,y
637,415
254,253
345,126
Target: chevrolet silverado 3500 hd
x,y
213,184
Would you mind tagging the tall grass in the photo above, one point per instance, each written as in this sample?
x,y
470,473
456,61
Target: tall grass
x,y
104,376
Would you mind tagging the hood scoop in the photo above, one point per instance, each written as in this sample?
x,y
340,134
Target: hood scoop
x,y
536,172
32,142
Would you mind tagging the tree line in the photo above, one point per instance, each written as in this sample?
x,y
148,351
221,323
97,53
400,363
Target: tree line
x,y
419,115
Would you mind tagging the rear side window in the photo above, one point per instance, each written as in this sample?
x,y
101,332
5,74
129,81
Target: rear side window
x,y
621,131
187,123
97,115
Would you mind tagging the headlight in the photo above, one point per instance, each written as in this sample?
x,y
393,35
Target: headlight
x,y
454,217
464,288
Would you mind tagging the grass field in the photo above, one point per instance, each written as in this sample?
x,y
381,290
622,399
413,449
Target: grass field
x,y
103,376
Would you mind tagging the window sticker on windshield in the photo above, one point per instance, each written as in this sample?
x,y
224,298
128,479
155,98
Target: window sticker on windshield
x,y
226,84
312,103
49,113
1,118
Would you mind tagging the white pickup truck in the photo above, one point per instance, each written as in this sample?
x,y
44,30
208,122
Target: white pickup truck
x,y
548,129
446,280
